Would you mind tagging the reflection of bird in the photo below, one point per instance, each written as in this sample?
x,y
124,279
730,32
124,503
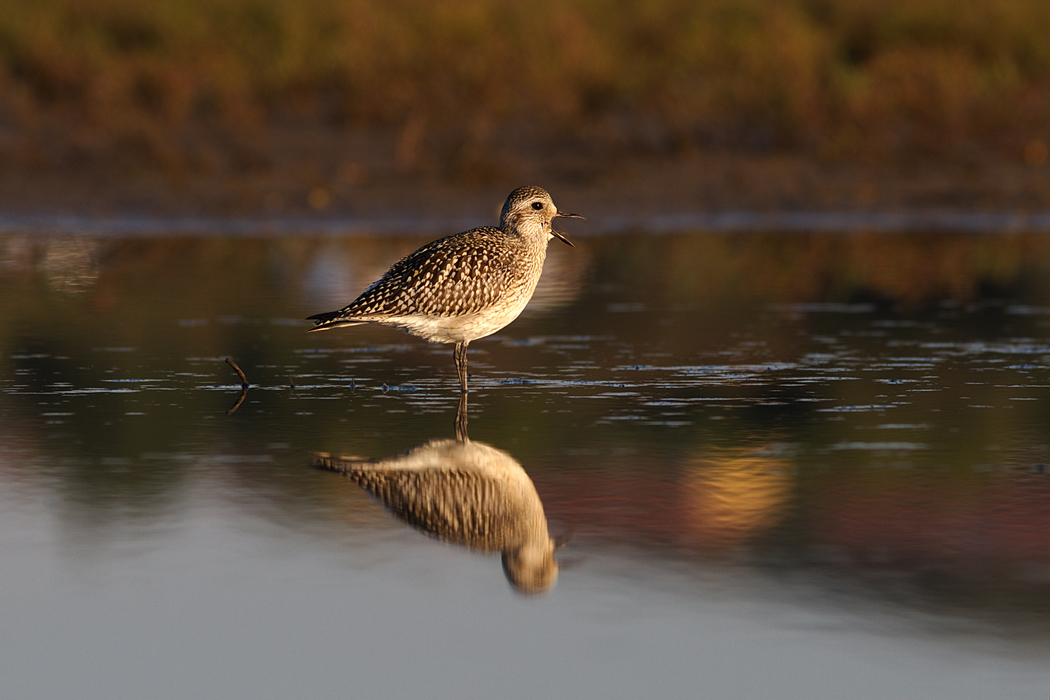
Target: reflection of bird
x,y
462,287
466,493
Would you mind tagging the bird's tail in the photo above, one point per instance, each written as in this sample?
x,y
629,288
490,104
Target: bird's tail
x,y
342,465
329,320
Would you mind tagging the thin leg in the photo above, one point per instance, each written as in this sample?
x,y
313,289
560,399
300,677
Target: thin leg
x,y
460,354
461,419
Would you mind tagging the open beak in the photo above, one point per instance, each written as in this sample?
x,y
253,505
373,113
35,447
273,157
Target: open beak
x,y
558,234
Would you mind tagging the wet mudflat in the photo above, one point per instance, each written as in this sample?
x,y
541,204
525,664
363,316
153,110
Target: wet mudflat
x,y
788,465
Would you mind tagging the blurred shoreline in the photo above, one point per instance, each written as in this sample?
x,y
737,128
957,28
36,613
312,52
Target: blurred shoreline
x,y
357,176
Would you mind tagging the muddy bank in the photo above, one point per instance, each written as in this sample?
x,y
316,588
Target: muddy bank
x,y
321,174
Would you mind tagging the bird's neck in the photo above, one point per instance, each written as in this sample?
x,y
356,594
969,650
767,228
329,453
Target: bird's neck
x,y
533,233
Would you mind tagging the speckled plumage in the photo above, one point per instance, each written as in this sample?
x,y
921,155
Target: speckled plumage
x,y
465,286
466,493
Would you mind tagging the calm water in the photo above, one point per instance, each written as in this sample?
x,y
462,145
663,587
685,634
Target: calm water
x,y
782,465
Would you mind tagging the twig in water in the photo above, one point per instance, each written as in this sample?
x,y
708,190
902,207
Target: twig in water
x,y
244,386
244,380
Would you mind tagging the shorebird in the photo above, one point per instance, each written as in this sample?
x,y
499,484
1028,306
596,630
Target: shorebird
x,y
465,286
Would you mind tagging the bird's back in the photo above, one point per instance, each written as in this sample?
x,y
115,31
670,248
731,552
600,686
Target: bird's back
x,y
461,507
467,493
454,276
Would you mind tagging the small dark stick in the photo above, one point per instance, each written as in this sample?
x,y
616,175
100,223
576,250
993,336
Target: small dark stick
x,y
244,380
244,386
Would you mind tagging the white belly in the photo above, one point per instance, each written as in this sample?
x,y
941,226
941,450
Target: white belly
x,y
457,329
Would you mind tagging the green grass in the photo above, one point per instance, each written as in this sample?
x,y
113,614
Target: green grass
x,y
838,78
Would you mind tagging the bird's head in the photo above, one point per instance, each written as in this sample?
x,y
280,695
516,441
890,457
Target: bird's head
x,y
529,207
531,568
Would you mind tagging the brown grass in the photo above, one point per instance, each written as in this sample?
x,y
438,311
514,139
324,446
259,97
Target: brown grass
x,y
191,84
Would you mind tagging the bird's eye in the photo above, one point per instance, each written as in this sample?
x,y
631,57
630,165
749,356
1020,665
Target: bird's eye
x,y
537,205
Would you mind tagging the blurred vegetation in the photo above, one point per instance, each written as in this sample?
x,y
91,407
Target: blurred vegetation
x,y
869,79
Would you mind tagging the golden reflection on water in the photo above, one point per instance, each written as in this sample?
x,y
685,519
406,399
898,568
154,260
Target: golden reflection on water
x,y
732,497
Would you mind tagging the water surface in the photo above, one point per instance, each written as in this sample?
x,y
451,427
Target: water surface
x,y
791,465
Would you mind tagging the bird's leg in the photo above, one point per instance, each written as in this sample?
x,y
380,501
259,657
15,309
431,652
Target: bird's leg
x,y
460,354
461,419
